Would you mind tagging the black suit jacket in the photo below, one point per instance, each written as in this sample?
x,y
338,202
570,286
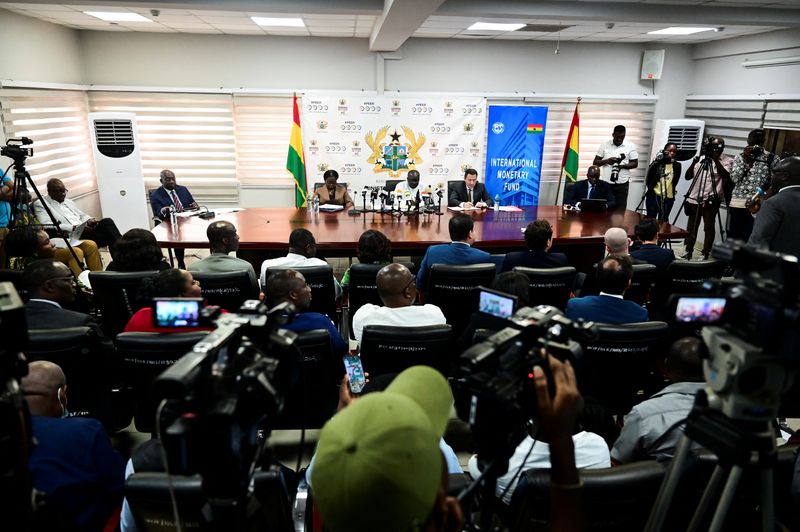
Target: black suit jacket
x,y
655,254
776,224
458,194
580,190
533,259
46,316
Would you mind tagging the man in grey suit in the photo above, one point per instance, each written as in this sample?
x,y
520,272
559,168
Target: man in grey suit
x,y
51,284
223,239
776,223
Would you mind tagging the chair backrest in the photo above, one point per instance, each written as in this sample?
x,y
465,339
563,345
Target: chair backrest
x,y
391,184
386,349
644,275
322,184
148,495
454,289
618,369
145,356
450,185
685,277
115,298
311,398
14,277
549,286
89,364
228,290
320,280
615,498
363,288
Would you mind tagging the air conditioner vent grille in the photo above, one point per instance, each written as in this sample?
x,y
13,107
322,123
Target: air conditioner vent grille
x,y
686,138
113,132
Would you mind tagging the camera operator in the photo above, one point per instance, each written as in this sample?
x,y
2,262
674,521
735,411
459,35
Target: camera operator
x,y
705,196
621,157
662,182
776,223
752,176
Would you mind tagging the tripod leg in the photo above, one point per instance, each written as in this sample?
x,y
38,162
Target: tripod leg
x,y
711,488
726,499
767,500
668,487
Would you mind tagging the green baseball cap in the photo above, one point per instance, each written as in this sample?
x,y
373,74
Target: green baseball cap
x,y
378,465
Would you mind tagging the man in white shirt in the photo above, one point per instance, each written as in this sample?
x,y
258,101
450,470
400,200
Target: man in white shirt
x,y
398,291
302,252
410,188
613,153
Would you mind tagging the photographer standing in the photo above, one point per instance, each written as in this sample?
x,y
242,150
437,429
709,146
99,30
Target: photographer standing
x,y
662,182
752,176
621,157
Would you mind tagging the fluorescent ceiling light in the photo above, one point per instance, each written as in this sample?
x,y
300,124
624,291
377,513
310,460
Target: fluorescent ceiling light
x,y
279,22
675,30
494,26
117,17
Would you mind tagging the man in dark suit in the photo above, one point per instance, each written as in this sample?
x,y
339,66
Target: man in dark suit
x,y
650,252
459,251
469,194
613,278
50,285
539,239
592,188
171,194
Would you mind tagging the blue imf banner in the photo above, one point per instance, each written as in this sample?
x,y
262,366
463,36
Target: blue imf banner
x,y
514,153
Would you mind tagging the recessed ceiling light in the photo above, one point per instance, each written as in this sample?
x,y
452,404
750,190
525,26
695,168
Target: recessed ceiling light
x,y
117,17
676,30
279,22
495,26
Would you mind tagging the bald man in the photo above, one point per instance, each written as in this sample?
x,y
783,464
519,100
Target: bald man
x,y
171,194
398,291
73,462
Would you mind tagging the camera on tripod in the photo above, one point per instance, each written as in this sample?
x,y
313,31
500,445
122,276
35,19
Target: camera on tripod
x,y
711,147
14,149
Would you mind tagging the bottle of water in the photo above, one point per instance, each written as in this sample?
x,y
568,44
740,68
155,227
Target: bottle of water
x,y
496,202
173,218
316,204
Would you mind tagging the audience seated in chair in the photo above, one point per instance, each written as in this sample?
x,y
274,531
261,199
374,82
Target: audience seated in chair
x,y
653,428
302,252
50,286
136,251
168,283
223,240
73,462
613,279
650,251
373,248
290,286
398,293
26,244
539,240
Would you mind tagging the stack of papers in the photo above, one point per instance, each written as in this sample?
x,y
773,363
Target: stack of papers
x,y
328,207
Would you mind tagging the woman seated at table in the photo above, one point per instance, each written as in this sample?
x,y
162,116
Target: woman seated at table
x,y
332,194
136,251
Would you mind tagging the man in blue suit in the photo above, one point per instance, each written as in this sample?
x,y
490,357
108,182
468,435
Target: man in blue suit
x,y
650,251
592,188
613,278
458,252
168,195
539,239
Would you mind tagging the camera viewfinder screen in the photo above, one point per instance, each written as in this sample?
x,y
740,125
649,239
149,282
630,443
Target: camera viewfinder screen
x,y
177,313
496,304
700,309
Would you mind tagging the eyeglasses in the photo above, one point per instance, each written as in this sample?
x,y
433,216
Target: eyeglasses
x,y
195,282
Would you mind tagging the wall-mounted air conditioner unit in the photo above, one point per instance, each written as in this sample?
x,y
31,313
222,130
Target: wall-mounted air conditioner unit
x,y
120,179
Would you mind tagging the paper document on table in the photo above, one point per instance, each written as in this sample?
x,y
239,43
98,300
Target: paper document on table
x,y
60,244
331,208
510,208
460,209
226,210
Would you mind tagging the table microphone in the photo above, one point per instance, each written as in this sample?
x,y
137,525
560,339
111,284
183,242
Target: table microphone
x,y
354,211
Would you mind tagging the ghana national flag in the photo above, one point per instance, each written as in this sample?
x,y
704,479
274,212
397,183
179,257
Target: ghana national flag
x,y
569,164
535,128
294,161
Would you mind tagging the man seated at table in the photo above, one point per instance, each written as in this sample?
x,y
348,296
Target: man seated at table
x,y
613,279
458,252
410,188
539,240
223,240
650,251
302,252
171,194
332,193
68,216
590,188
397,291
469,193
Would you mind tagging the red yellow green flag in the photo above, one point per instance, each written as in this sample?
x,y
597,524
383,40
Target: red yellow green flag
x,y
535,128
569,164
295,162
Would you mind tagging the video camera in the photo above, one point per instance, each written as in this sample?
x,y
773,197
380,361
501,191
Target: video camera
x,y
14,149
711,146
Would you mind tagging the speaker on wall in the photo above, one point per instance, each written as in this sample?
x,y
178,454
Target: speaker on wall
x,y
652,64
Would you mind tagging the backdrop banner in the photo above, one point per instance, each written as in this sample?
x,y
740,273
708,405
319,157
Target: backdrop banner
x,y
370,140
514,153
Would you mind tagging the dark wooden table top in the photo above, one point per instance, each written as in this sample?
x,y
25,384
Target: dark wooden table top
x,y
497,232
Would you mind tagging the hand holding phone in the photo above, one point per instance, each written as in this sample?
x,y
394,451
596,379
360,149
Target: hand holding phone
x,y
355,373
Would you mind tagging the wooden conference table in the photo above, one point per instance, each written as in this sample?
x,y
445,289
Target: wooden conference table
x,y
264,232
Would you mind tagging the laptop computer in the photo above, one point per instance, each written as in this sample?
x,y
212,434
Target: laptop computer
x,y
593,205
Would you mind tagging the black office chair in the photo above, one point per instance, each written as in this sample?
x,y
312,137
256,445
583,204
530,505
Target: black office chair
x,y
322,184
684,277
144,357
618,369
313,395
644,275
115,298
450,185
363,288
91,367
549,286
614,499
227,290
14,277
454,289
391,184
150,498
323,292
386,349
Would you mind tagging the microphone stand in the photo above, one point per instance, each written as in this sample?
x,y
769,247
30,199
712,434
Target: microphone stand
x,y
354,211
439,204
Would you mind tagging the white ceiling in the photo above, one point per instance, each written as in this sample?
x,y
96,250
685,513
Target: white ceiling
x,y
387,29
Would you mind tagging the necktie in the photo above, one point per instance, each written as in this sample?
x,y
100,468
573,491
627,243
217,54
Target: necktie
x,y
176,201
591,192
469,192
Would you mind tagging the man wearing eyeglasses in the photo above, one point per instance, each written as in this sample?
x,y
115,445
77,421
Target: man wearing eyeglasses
x,y
51,285
398,291
171,194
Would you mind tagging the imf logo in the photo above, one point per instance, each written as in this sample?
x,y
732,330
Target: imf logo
x,y
498,127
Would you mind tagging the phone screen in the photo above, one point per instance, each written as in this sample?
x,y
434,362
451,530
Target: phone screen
x,y
496,304
176,312
700,309
355,373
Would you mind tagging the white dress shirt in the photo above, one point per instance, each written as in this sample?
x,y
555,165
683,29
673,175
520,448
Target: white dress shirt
x,y
294,259
411,316
67,214
608,149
